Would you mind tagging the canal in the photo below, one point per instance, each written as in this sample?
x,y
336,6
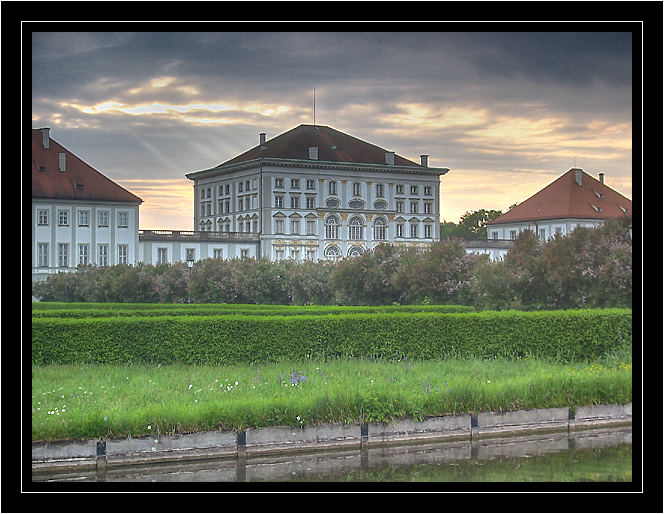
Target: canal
x,y
597,455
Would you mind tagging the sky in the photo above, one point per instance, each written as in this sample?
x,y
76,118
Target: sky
x,y
506,112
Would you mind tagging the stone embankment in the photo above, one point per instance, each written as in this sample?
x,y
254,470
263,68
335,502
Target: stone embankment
x,y
59,455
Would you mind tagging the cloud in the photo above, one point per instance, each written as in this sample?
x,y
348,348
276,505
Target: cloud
x,y
490,106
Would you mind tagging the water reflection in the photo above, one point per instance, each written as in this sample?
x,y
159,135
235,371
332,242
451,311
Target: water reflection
x,y
592,455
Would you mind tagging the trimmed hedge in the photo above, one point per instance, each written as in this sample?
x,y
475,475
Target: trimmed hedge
x,y
563,335
62,310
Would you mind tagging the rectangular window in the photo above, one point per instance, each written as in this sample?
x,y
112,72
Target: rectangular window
x,y
311,202
228,206
63,218
427,207
240,226
295,202
162,255
279,182
355,232
311,227
220,206
311,255
413,190
83,218
102,252
63,255
311,183
399,229
295,183
332,187
244,253
295,227
278,226
83,253
123,254
427,231
247,185
331,230
413,230
413,207
102,219
357,189
218,253
227,189
399,189
494,235
42,254
380,190
279,201
123,219
42,217
512,234
380,233
239,187
427,190
295,254
279,254
542,234
399,205
190,254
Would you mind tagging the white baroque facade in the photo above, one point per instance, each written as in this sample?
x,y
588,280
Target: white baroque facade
x,y
307,203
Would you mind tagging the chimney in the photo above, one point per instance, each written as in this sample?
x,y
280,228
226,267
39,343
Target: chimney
x,y
313,153
578,177
389,157
601,178
261,138
63,161
45,137
424,160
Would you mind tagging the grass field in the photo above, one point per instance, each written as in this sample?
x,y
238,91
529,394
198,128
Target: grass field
x,y
96,401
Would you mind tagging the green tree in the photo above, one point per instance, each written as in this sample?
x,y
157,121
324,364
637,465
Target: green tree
x,y
472,225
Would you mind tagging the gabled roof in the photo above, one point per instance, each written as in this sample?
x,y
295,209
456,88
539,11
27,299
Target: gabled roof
x,y
565,198
79,181
333,145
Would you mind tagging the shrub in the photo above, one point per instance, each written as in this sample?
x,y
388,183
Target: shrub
x,y
564,335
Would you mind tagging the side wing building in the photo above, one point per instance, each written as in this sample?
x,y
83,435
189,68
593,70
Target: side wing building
x,y
79,216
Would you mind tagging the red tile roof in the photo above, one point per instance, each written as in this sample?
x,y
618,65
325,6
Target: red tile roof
x,y
79,181
332,144
564,198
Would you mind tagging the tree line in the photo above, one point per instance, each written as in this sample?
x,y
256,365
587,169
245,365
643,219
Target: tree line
x,y
587,268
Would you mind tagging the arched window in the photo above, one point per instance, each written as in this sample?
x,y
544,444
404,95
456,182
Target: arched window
x,y
380,229
356,228
332,252
332,227
355,251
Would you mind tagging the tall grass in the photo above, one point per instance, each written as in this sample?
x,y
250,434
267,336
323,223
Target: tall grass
x,y
93,401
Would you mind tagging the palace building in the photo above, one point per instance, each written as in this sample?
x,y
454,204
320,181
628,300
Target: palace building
x,y
314,193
